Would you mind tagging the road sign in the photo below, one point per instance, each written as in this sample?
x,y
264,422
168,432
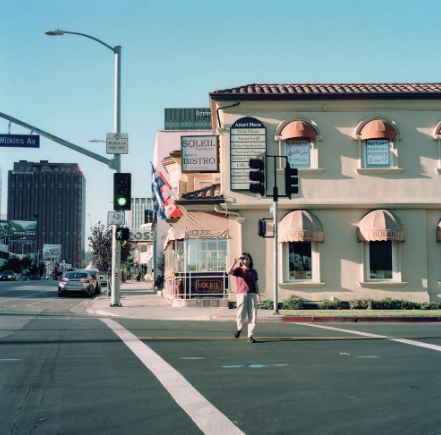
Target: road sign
x,y
117,143
115,218
20,140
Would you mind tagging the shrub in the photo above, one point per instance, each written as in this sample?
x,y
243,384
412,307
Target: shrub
x,y
358,304
326,304
430,306
266,304
390,304
407,305
292,303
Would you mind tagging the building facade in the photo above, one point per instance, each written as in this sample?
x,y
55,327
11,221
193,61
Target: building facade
x,y
136,213
365,223
53,194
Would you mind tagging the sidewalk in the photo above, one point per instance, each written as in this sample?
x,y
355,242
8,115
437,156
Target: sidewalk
x,y
139,301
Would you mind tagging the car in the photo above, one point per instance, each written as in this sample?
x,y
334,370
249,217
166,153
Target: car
x,y
96,275
8,275
103,279
79,281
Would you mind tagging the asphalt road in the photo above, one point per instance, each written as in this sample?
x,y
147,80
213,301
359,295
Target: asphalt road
x,y
65,372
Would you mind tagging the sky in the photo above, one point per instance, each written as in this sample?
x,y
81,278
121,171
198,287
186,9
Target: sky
x,y
174,53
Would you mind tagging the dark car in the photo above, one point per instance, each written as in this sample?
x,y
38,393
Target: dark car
x,y
8,275
79,281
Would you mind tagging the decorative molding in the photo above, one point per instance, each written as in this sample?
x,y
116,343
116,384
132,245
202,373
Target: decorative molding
x,y
369,171
380,284
305,171
289,285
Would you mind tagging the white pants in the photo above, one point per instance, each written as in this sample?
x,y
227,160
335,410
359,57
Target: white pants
x,y
246,304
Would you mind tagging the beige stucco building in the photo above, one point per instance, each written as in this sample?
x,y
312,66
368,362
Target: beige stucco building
x,y
365,219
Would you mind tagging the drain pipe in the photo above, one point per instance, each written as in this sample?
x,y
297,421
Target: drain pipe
x,y
239,219
225,107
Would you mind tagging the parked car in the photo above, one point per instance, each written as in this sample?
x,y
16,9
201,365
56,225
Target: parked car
x,y
8,275
96,275
103,279
79,281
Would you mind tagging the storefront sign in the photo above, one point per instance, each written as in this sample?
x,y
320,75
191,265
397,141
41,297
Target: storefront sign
x,y
298,151
207,285
247,140
200,154
377,152
141,236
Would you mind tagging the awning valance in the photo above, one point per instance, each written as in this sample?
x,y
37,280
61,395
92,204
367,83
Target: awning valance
x,y
438,232
378,129
199,225
297,129
380,225
300,226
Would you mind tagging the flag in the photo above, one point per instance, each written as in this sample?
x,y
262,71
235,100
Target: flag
x,y
163,198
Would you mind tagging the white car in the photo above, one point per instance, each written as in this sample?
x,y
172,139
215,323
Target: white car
x,y
103,279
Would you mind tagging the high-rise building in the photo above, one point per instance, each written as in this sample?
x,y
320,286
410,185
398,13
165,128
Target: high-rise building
x,y
53,194
1,189
136,214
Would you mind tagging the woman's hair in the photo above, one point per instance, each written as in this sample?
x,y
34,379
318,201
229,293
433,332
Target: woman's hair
x,y
251,259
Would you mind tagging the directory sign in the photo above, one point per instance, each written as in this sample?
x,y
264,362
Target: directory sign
x,y
247,141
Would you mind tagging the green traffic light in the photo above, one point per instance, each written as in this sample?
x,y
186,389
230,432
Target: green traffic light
x,y
122,201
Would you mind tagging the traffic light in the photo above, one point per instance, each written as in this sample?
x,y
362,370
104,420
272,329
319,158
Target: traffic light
x,y
148,216
6,240
122,191
261,228
257,175
122,234
291,181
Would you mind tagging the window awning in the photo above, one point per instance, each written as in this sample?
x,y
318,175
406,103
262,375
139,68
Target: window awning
x,y
297,129
300,226
438,231
377,129
380,225
199,225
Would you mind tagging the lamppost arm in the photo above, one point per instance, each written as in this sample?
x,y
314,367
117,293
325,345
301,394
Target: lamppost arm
x,y
58,32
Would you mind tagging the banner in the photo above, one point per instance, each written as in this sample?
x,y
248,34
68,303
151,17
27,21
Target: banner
x,y
18,230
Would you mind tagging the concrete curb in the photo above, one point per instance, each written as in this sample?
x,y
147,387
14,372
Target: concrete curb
x,y
320,319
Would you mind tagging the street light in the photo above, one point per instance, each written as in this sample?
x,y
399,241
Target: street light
x,y
96,140
117,158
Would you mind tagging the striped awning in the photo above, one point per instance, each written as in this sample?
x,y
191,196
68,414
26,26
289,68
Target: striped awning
x,y
380,226
300,226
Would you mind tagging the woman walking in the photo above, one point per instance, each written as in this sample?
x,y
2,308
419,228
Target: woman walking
x,y
247,293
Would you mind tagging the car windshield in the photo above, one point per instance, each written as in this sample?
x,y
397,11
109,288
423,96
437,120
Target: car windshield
x,y
75,275
7,272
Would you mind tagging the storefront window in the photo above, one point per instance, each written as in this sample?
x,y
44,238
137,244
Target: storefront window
x,y
298,152
378,153
380,260
179,265
168,260
208,255
300,261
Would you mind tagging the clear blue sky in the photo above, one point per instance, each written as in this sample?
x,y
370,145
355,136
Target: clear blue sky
x,y
175,53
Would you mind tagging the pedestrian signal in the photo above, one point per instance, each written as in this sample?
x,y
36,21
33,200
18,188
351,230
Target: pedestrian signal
x,y
257,175
122,234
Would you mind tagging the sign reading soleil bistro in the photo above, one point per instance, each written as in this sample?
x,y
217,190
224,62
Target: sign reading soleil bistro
x,y
200,154
247,140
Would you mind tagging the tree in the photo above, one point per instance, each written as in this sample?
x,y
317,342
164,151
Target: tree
x,y
100,243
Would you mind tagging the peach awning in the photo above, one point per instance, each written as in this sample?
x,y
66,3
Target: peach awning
x,y
380,226
300,226
438,231
378,129
199,225
297,129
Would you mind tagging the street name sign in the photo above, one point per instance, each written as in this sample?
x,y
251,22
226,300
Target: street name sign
x,y
115,218
117,143
20,140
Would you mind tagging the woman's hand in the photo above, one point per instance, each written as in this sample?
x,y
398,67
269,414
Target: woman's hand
x,y
258,298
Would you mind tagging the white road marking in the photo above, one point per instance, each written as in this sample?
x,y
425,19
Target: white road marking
x,y
10,359
208,418
366,334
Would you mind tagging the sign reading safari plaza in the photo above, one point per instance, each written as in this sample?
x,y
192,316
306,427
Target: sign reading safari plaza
x,y
200,154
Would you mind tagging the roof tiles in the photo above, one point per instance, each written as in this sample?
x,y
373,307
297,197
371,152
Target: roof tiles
x,y
210,192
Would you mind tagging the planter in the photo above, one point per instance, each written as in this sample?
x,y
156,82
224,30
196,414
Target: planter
x,y
179,291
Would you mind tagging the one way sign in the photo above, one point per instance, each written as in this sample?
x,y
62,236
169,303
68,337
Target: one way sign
x,y
122,234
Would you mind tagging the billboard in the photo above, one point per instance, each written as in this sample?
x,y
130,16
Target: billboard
x,y
51,252
18,230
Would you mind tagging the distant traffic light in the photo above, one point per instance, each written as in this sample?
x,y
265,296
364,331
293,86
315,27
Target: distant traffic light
x,y
261,228
257,175
291,181
148,216
122,234
122,191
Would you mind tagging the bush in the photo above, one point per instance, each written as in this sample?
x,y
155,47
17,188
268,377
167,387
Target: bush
x,y
326,304
358,304
430,306
406,305
390,304
268,304
292,303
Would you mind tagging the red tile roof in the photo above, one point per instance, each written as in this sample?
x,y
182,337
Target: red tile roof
x,y
207,193
302,91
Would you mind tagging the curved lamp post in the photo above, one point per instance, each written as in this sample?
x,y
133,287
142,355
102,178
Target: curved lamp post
x,y
115,295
